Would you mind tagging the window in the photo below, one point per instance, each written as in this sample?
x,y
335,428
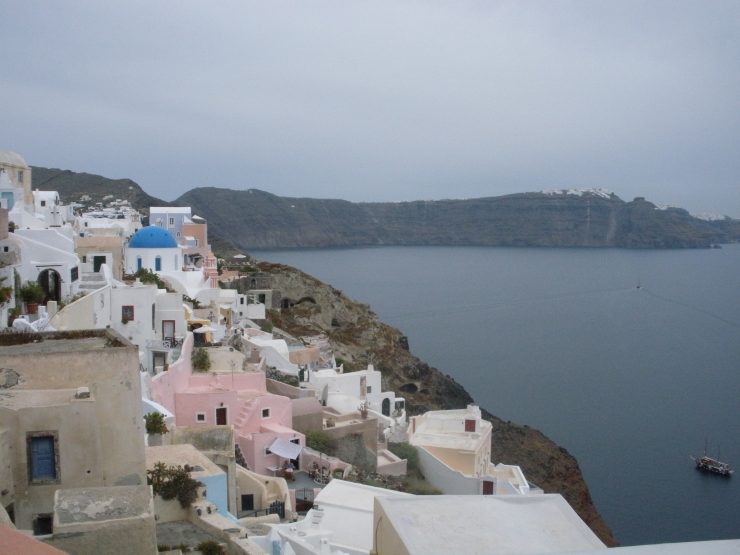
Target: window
x,y
247,502
158,264
127,313
265,413
469,425
84,259
241,300
172,221
74,274
20,176
200,417
369,389
267,451
139,263
43,453
196,242
43,203
178,233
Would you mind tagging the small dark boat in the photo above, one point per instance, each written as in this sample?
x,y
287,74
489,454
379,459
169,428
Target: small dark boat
x,y
705,463
713,466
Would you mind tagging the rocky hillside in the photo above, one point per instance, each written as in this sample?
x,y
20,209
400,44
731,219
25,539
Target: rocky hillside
x,y
252,219
359,338
259,220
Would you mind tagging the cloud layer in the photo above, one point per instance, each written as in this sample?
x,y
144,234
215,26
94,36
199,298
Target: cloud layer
x,y
382,100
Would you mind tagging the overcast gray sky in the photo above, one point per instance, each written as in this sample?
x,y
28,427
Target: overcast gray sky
x,y
381,101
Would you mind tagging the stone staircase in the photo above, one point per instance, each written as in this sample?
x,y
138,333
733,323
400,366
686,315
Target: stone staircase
x,y
91,281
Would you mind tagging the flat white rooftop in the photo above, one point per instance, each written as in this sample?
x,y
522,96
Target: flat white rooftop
x,y
717,547
488,525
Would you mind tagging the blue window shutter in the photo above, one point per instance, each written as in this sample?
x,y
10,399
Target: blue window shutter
x,y
158,264
43,465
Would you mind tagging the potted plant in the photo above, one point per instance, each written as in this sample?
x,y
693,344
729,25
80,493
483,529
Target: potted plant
x,y
6,292
32,294
155,427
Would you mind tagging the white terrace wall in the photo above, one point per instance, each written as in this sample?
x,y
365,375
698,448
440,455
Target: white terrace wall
x,y
444,478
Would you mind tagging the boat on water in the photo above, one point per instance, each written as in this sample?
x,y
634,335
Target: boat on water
x,y
705,463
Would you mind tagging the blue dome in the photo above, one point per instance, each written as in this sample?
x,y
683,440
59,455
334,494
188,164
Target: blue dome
x,y
152,237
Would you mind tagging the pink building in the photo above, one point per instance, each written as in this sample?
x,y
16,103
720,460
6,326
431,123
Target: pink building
x,y
262,421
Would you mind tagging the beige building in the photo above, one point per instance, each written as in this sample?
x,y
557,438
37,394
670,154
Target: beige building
x,y
18,172
101,248
104,521
70,417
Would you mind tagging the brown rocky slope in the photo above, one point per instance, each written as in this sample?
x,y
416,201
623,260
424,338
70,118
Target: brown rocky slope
x,y
359,337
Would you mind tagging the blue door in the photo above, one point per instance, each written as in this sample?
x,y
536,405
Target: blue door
x,y
43,464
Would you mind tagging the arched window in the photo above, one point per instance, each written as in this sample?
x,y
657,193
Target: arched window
x,y
158,264
139,263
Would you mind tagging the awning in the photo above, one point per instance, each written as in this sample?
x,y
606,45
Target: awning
x,y
284,448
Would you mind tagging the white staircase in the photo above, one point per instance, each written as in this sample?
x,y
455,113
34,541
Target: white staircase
x,y
91,281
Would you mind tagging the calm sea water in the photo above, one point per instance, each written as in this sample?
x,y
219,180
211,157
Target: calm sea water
x,y
631,380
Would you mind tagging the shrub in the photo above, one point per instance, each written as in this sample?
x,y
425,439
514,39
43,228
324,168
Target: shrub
x,y
32,292
201,360
406,451
154,422
210,547
172,482
321,441
145,275
267,326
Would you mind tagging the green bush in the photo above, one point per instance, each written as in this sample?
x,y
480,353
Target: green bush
x,y
210,547
267,326
201,360
172,482
406,451
32,292
145,275
321,441
154,422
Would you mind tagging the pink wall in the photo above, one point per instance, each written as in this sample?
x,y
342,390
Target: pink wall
x,y
164,386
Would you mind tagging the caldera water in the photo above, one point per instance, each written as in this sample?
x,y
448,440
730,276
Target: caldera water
x,y
630,359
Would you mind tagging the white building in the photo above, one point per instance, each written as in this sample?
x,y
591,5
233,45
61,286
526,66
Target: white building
x,y
478,525
341,522
361,390
455,454
153,248
47,256
170,218
150,318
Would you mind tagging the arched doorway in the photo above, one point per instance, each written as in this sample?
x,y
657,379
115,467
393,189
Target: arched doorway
x,y
386,407
51,282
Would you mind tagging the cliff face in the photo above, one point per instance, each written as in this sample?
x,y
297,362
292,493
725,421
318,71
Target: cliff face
x,y
359,338
253,219
259,220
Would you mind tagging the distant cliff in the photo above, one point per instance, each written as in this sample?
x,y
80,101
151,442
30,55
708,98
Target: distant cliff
x,y
258,220
253,219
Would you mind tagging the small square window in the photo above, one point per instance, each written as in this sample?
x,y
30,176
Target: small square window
x,y
265,413
200,417
267,451
127,313
43,203
369,389
172,221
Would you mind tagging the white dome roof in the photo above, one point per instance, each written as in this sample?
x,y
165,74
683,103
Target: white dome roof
x,y
12,159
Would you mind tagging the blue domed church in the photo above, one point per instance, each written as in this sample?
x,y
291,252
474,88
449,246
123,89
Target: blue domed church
x,y
153,248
